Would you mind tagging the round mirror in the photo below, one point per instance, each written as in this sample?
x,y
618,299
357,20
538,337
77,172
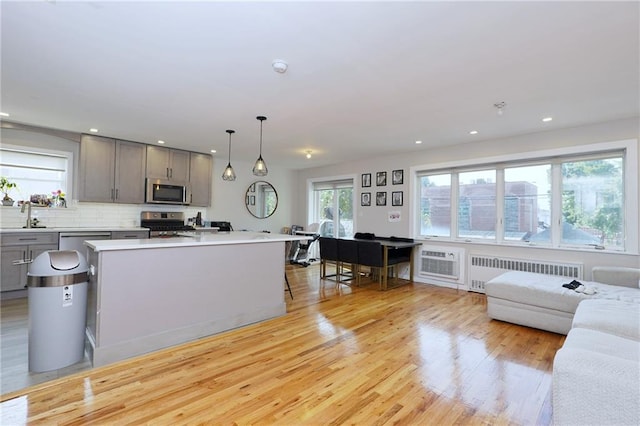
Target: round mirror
x,y
261,199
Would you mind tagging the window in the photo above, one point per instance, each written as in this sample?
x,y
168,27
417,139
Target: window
x,y
333,208
35,172
435,205
527,203
592,202
477,204
558,201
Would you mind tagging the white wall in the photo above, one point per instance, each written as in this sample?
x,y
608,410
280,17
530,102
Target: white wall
x,y
228,197
375,219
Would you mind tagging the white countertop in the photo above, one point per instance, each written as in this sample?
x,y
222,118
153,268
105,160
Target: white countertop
x,y
96,229
199,239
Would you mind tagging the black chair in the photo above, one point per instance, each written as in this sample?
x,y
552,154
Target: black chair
x,y
222,226
328,253
400,255
348,255
364,236
370,254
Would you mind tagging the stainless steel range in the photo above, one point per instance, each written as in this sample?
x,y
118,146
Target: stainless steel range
x,y
164,224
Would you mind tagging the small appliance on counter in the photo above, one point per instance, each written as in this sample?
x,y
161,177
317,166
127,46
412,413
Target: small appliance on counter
x,y
164,224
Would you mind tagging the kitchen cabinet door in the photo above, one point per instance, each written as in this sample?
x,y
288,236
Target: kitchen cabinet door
x,y
165,163
179,166
97,169
200,179
14,277
130,165
15,262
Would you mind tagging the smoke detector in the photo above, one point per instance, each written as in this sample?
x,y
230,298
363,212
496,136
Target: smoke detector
x,y
279,66
500,106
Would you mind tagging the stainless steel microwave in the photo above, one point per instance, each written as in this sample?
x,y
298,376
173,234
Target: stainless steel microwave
x,y
167,192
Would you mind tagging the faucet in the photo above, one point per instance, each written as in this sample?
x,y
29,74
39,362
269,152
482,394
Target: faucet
x,y
24,204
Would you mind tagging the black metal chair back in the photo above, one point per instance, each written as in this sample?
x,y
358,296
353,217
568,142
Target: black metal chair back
x,y
328,253
348,251
370,254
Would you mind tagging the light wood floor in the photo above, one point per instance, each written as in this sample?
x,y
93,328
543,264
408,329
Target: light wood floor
x,y
417,354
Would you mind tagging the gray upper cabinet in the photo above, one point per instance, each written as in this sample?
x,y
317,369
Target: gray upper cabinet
x,y
166,163
200,179
111,171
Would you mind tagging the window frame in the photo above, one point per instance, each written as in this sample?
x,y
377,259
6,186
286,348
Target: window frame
x,y
628,149
68,155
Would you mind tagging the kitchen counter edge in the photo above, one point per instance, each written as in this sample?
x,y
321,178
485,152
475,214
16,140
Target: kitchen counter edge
x,y
223,238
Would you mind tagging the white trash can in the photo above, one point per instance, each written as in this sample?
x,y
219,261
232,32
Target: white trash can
x,y
57,298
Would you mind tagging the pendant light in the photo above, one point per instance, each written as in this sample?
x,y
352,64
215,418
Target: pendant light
x,y
228,173
260,169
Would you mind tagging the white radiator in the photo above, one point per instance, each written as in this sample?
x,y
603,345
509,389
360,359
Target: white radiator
x,y
482,268
440,262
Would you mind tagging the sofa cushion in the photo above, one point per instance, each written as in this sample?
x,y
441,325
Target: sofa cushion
x,y
547,291
604,344
609,316
591,388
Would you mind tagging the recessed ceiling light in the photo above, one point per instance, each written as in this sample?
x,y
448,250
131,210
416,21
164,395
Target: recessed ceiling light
x,y
473,132
308,153
547,119
4,114
213,151
418,142
161,142
93,130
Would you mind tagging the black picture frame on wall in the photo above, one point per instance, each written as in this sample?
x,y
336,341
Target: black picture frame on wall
x,y
366,180
396,198
365,199
397,177
381,198
381,179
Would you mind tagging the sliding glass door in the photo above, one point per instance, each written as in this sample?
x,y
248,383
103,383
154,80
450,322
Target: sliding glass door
x,y
333,208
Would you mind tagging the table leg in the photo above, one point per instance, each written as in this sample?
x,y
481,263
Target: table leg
x,y
411,264
385,266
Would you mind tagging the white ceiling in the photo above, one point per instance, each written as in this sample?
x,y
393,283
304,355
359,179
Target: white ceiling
x,y
364,79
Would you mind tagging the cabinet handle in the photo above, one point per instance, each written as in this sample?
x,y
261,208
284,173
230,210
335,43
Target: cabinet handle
x,y
171,172
112,194
27,239
167,172
116,193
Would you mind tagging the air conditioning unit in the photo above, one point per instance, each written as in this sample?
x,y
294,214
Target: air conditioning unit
x,y
441,263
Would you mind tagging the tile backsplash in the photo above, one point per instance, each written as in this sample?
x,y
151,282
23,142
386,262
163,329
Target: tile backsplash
x,y
86,215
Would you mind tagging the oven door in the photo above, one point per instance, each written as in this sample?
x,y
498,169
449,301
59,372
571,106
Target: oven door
x,y
167,192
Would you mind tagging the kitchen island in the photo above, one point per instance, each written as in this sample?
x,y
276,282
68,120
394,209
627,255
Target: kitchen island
x,y
145,295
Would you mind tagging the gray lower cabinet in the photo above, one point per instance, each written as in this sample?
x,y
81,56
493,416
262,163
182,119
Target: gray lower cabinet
x,y
200,179
111,171
18,251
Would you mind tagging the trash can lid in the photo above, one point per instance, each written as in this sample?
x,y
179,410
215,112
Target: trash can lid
x,y
64,260
58,262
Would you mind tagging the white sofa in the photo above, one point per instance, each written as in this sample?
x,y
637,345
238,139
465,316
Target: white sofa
x,y
540,301
596,373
